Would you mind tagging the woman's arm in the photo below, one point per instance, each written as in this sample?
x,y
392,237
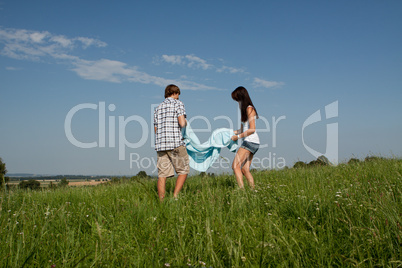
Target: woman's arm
x,y
251,120
239,130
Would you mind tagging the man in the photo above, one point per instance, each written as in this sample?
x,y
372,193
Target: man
x,y
169,118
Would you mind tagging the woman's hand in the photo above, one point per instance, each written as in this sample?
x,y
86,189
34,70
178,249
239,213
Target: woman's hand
x,y
234,138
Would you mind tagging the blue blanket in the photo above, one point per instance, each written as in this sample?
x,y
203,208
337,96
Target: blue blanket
x,y
202,156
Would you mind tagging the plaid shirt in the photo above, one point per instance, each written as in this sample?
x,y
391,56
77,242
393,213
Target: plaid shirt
x,y
168,132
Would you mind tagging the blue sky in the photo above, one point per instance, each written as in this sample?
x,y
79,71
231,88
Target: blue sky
x,y
294,57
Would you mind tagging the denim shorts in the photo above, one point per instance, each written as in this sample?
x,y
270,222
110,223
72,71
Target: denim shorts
x,y
250,146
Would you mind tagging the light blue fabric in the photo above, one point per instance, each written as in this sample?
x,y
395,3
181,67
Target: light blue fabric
x,y
202,156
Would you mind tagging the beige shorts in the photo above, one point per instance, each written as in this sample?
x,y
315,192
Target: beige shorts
x,y
173,160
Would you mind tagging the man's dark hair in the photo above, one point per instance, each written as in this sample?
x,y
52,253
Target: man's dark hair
x,y
170,90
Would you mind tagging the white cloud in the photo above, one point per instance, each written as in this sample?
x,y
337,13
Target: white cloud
x,y
33,45
37,37
43,46
87,42
9,68
118,72
61,40
173,59
195,62
229,69
190,61
258,82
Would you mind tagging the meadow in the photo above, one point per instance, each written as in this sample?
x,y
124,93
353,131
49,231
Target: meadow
x,y
344,216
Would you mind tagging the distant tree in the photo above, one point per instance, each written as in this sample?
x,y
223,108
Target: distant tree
x,y
372,158
299,164
31,184
325,160
52,185
3,172
315,163
142,174
115,180
353,161
63,183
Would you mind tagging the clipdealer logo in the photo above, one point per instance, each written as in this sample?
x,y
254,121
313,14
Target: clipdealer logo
x,y
109,125
331,151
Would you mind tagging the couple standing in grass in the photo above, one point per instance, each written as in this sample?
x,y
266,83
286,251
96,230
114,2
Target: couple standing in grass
x,y
170,117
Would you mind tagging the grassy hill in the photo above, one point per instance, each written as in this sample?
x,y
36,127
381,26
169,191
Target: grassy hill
x,y
349,215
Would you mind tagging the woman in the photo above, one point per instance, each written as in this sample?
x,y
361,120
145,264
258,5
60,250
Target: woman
x,y
251,142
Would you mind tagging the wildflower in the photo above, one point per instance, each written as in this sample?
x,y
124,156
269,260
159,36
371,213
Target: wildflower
x,y
269,214
337,195
318,208
87,216
298,218
243,258
167,264
202,263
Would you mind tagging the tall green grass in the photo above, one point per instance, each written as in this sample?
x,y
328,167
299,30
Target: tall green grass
x,y
349,215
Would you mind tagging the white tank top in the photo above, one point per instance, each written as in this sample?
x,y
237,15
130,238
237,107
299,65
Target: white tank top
x,y
253,137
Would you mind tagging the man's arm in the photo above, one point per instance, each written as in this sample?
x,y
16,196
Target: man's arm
x,y
182,121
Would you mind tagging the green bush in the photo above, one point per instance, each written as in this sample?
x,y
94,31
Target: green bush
x,y
30,184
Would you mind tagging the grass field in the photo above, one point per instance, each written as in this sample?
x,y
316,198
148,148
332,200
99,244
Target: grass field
x,y
344,216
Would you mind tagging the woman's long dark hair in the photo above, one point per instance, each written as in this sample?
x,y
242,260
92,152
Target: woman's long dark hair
x,y
240,94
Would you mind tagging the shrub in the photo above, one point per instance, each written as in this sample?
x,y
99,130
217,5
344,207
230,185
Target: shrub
x,y
353,161
299,164
31,184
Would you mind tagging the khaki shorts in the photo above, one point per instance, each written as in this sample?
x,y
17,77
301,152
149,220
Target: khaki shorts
x,y
173,160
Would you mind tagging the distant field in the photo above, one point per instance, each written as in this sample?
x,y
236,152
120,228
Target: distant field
x,y
344,216
72,182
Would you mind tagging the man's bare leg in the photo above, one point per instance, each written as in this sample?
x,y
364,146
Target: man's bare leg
x,y
179,184
161,187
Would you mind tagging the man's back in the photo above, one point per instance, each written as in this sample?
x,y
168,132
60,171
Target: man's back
x,y
168,133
